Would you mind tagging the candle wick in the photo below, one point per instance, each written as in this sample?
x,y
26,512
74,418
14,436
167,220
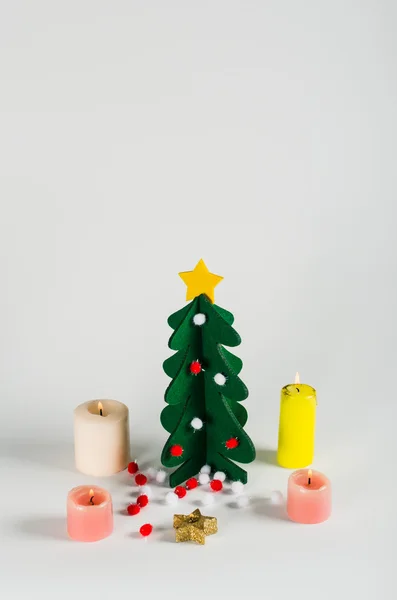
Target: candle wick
x,y
309,480
298,390
92,500
101,412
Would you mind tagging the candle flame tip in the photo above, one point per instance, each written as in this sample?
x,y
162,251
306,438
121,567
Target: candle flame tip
x,y
297,378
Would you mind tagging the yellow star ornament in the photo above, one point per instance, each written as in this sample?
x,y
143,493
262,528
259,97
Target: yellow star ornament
x,y
194,527
200,281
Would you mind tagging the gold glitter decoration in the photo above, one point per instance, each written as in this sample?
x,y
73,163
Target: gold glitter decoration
x,y
194,527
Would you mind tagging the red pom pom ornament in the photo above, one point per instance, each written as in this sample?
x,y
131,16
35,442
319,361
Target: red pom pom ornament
x,y
180,491
195,367
133,468
191,483
146,529
232,443
140,479
142,500
176,450
216,485
133,509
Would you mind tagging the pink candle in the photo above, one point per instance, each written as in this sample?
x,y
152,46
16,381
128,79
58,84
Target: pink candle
x,y
89,513
309,497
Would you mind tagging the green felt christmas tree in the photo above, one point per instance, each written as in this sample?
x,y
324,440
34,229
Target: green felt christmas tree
x,y
204,416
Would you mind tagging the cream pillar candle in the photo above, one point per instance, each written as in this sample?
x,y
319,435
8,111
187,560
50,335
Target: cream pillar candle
x,y
101,437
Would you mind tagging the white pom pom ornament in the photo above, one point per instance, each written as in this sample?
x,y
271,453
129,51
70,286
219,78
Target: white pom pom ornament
x,y
161,476
220,379
151,473
204,478
171,498
220,475
237,487
276,497
199,319
242,501
147,490
196,423
205,469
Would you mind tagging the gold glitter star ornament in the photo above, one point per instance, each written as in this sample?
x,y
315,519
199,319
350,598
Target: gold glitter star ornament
x,y
194,527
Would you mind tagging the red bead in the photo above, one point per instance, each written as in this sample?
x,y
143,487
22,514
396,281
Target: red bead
x,y
180,491
146,529
133,509
176,450
133,468
232,443
140,479
195,367
142,500
191,483
216,485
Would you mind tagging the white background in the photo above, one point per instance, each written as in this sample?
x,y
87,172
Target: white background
x,y
135,138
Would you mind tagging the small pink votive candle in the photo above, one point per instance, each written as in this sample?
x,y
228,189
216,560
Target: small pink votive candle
x,y
89,513
309,498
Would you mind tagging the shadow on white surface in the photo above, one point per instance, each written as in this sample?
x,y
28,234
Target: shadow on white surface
x,y
267,456
43,527
165,534
57,455
264,508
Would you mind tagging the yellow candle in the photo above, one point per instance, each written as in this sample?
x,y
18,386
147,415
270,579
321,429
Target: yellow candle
x,y
297,425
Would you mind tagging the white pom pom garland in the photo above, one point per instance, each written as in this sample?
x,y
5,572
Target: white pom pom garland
x,y
205,469
196,423
161,476
242,501
171,498
237,487
146,489
276,497
204,478
220,379
220,475
151,473
199,319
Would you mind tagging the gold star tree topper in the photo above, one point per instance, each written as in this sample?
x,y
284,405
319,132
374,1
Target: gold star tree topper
x,y
194,527
200,281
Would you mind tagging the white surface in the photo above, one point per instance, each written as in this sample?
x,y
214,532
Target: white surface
x,y
137,137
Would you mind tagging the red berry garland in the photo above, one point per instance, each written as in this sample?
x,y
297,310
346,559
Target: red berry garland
x,y
140,479
133,509
133,468
146,529
216,485
142,500
176,450
191,483
231,443
180,491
